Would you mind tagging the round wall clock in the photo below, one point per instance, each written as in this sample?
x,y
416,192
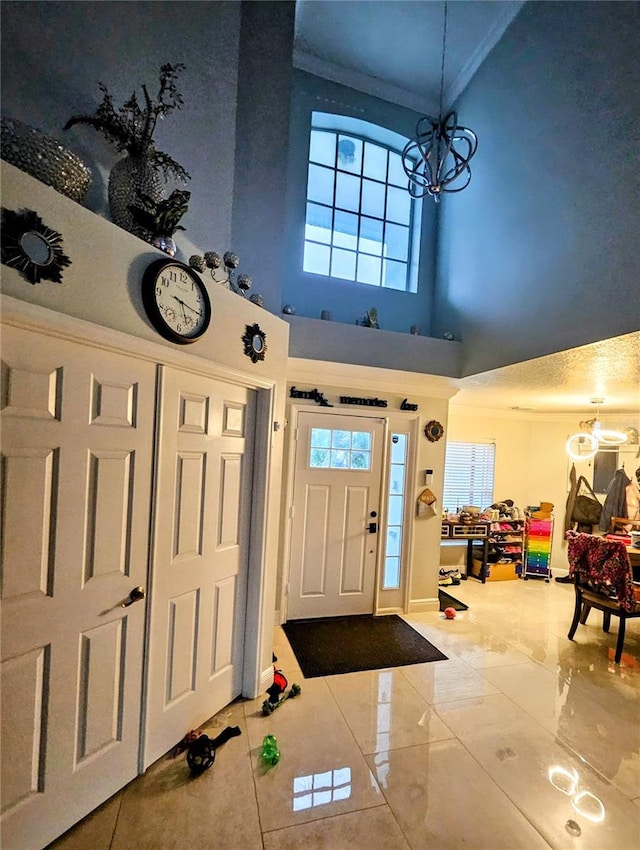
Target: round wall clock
x,y
176,301
433,431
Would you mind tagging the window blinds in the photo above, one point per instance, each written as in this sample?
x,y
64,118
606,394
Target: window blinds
x,y
468,475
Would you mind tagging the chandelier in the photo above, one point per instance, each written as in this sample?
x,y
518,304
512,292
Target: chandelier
x,y
592,437
440,153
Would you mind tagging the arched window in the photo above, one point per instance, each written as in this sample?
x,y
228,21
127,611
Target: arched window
x,y
361,223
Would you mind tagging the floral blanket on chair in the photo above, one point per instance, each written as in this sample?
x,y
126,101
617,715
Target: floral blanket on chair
x,y
602,564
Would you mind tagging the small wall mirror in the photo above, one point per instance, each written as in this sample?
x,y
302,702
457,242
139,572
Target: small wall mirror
x,y
31,247
36,247
255,342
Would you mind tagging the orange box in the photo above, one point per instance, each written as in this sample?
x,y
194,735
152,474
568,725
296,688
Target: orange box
x,y
497,572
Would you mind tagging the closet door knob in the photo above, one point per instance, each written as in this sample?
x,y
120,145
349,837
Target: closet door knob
x,y
136,595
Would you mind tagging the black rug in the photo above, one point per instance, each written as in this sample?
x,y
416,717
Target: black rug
x,y
447,601
331,645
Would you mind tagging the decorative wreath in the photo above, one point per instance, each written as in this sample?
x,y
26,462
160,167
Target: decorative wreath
x,y
433,431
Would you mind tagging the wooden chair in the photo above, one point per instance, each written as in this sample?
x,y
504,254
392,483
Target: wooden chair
x,y
601,571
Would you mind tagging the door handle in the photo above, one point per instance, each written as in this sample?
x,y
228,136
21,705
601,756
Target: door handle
x,y
372,527
135,596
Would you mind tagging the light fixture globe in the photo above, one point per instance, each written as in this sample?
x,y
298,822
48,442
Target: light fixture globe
x,y
575,446
607,436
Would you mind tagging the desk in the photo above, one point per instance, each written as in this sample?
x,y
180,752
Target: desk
x,y
454,532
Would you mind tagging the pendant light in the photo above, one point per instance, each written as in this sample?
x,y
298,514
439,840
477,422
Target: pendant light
x,y
592,437
439,155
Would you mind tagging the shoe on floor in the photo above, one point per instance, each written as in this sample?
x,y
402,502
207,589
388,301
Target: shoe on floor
x,y
564,579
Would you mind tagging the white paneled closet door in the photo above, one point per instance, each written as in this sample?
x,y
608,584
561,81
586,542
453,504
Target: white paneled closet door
x,y
77,449
201,533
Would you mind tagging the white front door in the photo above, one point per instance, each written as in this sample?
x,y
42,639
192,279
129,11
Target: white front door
x,y
336,514
77,448
199,585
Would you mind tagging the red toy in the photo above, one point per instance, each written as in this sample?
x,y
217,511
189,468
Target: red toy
x,y
450,613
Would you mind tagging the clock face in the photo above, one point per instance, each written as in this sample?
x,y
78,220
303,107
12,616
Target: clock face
x,y
176,301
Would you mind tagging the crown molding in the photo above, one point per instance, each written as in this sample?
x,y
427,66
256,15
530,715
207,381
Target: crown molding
x,y
361,82
492,37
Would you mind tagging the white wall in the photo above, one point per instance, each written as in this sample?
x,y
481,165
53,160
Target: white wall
x,y
431,394
531,461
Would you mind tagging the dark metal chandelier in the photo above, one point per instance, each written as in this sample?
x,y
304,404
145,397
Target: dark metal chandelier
x,y
441,151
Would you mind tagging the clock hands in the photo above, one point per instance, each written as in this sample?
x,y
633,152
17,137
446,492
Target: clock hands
x,y
184,304
181,303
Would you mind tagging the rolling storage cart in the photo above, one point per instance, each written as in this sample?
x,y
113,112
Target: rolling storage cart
x,y
537,563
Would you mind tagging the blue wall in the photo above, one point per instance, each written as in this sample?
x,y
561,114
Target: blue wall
x,y
230,134
347,301
537,255
55,53
540,253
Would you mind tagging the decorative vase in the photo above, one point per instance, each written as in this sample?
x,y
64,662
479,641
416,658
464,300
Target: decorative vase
x,y
128,178
44,158
165,243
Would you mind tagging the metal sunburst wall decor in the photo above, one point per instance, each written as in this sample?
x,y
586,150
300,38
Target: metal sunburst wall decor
x,y
255,343
31,247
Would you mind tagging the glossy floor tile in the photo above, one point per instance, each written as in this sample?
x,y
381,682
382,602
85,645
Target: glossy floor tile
x,y
520,740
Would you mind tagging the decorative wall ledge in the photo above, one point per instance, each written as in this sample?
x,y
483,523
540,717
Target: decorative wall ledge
x,y
315,339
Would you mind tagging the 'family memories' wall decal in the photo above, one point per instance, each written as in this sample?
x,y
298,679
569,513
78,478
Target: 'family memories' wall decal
x,y
313,395
318,397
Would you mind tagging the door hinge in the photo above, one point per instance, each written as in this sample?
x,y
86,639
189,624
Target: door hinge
x,y
287,588
291,512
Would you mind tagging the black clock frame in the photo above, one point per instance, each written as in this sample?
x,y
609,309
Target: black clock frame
x,y
149,281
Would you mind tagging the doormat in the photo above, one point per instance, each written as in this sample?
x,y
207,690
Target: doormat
x,y
447,601
329,646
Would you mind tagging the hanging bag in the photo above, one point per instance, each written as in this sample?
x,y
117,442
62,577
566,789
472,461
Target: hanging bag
x,y
587,508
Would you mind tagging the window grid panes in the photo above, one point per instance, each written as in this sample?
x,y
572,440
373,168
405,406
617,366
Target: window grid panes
x,y
359,213
395,512
336,448
468,475
319,789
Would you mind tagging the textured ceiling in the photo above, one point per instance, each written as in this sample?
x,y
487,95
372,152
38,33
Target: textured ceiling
x,y
564,382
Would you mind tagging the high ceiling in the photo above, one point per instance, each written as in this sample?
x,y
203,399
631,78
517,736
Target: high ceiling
x,y
393,49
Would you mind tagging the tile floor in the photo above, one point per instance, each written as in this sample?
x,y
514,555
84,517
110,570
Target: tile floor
x,y
521,739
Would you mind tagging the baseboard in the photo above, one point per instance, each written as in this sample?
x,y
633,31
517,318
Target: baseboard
x,y
266,679
418,606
